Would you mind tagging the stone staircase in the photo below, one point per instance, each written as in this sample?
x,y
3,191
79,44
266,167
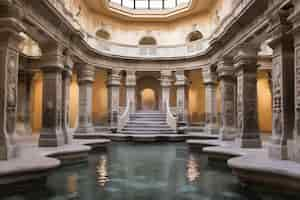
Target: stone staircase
x,y
143,123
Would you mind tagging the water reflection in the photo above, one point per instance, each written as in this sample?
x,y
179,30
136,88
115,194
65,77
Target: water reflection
x,y
102,171
193,171
72,186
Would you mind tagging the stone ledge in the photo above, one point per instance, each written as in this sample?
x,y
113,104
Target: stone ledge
x,y
258,168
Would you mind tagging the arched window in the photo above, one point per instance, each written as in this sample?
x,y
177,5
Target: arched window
x,y
103,34
147,41
194,36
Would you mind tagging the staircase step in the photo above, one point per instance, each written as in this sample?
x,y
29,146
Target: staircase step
x,y
147,129
150,125
147,132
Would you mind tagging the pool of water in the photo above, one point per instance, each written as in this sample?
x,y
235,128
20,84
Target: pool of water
x,y
144,172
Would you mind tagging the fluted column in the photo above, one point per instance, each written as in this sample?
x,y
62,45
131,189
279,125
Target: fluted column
x,y
86,77
52,66
247,124
67,76
283,76
9,62
182,102
166,83
227,86
210,82
113,84
130,90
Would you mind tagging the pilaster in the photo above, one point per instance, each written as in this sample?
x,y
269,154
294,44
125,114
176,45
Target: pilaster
x,y
166,83
182,102
113,84
227,86
86,77
210,82
130,90
9,62
247,119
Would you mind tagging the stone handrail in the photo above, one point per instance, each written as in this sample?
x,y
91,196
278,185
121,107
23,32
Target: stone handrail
x,y
171,119
124,118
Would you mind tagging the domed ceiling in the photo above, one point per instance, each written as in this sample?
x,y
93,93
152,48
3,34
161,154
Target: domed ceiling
x,y
149,10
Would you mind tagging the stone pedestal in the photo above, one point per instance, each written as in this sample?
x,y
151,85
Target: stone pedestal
x,y
182,101
9,62
283,87
130,90
247,124
113,84
227,86
166,83
86,77
67,75
210,82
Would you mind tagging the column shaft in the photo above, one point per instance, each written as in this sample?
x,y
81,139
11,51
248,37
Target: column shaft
x,y
67,75
130,90
166,83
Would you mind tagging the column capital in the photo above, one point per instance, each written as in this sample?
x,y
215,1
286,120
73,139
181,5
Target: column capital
x,y
225,68
86,73
114,78
130,78
181,79
246,57
209,76
166,78
52,57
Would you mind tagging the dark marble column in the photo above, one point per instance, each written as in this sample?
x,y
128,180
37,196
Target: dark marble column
x,y
66,82
113,84
86,77
52,66
226,75
9,62
166,83
182,100
210,82
247,119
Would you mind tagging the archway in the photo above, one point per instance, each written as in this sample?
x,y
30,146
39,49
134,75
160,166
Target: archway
x,y
147,40
148,93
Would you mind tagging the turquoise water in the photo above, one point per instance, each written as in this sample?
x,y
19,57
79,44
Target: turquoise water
x,y
144,172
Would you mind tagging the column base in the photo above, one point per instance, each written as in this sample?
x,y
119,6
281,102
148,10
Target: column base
x,y
213,130
254,143
89,129
228,134
8,152
50,139
278,152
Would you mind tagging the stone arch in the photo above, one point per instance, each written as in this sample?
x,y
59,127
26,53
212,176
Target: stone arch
x,y
103,34
147,40
194,36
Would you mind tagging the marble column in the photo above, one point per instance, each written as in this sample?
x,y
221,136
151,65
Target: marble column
x,y
130,90
9,62
210,82
113,84
182,101
66,82
247,124
227,86
166,83
86,78
52,66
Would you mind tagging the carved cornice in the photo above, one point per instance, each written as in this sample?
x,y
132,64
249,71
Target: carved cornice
x,y
246,58
225,68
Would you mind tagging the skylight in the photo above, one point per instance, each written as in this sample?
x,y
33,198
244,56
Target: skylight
x,y
150,4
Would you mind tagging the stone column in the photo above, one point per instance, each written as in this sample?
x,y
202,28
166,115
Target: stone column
x,y
9,62
182,103
283,76
130,90
52,65
113,84
166,83
66,82
227,86
210,82
86,77
247,124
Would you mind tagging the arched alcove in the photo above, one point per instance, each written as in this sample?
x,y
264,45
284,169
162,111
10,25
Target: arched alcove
x,y
103,34
194,36
147,40
148,99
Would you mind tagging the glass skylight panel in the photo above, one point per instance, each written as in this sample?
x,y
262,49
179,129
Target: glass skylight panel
x,y
141,4
170,4
128,3
150,4
156,4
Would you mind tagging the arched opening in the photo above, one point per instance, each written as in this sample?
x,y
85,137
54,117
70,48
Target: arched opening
x,y
148,99
103,34
148,40
194,36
